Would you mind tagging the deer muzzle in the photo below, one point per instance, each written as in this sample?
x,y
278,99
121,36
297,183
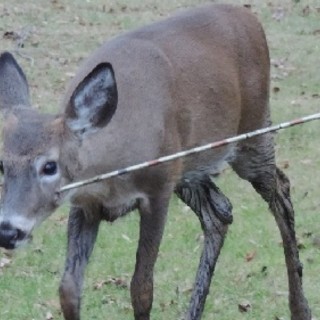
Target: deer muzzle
x,y
10,236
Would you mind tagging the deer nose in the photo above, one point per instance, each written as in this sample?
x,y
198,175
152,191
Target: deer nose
x,y
9,235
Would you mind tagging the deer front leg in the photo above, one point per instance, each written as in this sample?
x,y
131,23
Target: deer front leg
x,y
214,212
152,221
82,234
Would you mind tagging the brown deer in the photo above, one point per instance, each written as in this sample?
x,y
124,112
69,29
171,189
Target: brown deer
x,y
199,76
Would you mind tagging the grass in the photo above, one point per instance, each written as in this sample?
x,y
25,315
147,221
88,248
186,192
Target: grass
x,y
61,33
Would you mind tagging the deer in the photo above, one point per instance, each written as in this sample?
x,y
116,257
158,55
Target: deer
x,y
198,76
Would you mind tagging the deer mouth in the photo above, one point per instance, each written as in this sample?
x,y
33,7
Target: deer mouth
x,y
11,237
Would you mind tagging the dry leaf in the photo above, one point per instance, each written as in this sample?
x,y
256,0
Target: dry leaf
x,y
49,316
300,244
306,161
284,164
11,35
7,253
250,255
264,270
244,306
307,234
4,262
118,282
52,304
310,260
295,103
306,11
278,13
164,305
70,74
99,284
316,241
125,237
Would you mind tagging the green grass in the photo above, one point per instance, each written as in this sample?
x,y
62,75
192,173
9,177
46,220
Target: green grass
x,y
65,31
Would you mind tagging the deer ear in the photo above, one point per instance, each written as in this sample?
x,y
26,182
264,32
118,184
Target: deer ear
x,y
94,101
14,89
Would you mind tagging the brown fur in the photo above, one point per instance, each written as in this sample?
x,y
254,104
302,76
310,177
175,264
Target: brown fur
x,y
199,76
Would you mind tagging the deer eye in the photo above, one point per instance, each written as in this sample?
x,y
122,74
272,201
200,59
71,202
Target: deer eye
x,y
1,167
50,168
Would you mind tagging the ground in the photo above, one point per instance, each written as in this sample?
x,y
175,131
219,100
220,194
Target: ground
x,y
49,39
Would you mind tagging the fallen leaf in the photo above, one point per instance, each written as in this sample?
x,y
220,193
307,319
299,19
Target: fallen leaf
x,y
310,260
278,13
57,5
11,35
306,161
55,304
281,293
164,305
306,11
99,284
244,306
307,234
250,255
125,237
108,300
316,241
38,250
295,103
118,282
49,316
284,164
264,270
300,244
70,74
187,290
7,253
4,262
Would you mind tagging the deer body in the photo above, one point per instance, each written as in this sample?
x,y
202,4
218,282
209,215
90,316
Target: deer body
x,y
155,72
200,76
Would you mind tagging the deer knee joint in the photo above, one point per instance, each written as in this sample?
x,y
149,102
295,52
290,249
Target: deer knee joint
x,y
202,195
300,270
220,204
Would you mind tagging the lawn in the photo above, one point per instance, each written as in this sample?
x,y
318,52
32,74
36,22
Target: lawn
x,y
50,38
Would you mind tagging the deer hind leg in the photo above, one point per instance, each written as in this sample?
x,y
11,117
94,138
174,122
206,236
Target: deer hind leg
x,y
81,238
255,162
214,212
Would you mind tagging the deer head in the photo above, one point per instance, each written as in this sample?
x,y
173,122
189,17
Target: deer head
x,y
40,151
